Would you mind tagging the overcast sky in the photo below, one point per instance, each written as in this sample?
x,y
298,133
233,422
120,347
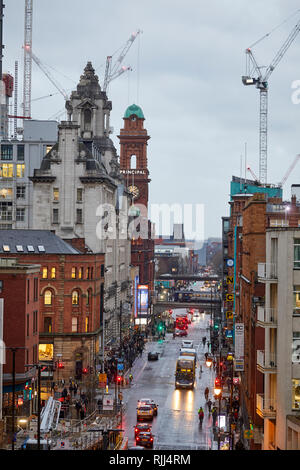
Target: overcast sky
x,y
187,67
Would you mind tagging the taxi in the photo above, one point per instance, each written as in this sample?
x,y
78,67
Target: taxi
x,y
145,412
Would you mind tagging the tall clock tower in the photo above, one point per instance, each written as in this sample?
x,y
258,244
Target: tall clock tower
x,y
133,154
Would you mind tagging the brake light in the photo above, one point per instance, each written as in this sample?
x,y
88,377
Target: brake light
x,y
151,439
137,438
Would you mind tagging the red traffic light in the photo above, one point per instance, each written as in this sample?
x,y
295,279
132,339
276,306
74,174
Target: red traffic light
x,y
84,371
119,378
217,382
60,365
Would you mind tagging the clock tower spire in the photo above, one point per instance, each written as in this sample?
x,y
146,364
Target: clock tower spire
x,y
133,154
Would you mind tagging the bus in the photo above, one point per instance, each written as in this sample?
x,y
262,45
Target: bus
x,y
185,372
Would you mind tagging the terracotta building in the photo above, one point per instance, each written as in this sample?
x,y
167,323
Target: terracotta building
x,y
134,167
19,289
71,296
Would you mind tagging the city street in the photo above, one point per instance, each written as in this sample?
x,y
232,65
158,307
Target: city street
x,y
176,425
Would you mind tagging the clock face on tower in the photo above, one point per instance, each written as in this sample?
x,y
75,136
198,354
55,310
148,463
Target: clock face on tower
x,y
134,190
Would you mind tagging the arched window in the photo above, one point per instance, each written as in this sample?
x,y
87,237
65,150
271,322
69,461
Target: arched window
x,y
47,297
133,162
75,297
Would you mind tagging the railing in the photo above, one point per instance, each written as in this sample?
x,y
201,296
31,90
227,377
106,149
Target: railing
x,y
266,360
265,406
267,315
267,270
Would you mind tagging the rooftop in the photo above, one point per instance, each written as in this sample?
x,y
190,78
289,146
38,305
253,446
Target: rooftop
x,y
134,109
33,242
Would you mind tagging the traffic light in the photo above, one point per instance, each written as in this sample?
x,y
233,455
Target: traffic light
x,y
119,379
84,371
60,365
217,382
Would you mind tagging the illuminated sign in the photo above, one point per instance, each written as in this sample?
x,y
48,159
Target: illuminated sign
x,y
45,352
229,280
142,298
229,314
229,297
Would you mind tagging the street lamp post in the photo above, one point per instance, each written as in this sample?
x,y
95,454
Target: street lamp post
x,y
13,350
218,394
39,367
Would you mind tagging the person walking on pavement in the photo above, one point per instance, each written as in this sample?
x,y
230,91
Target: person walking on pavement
x,y
204,340
201,415
209,403
208,345
214,415
206,392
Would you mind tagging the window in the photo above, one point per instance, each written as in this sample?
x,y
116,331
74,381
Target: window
x,y
74,324
35,322
296,348
28,291
296,253
1,286
20,170
20,214
48,297
88,297
296,293
20,152
30,248
75,298
27,325
36,289
80,273
48,148
55,216
86,324
6,248
21,191
296,394
53,273
79,194
87,273
41,248
5,210
19,248
55,194
133,162
6,170
78,216
45,273
102,270
6,152
48,325
73,273
6,193
87,119
92,273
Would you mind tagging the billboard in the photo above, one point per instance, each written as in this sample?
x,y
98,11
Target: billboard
x,y
142,299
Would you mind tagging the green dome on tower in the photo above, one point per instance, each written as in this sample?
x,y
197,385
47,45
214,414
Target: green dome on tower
x,y
134,109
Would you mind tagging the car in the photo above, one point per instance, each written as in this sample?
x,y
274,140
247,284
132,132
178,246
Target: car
x,y
145,412
148,401
145,439
187,343
153,356
181,332
141,427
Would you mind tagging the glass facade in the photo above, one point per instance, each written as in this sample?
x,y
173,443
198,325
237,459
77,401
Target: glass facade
x,y
6,152
296,253
296,394
296,348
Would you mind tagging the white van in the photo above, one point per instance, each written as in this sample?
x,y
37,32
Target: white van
x,y
188,352
187,343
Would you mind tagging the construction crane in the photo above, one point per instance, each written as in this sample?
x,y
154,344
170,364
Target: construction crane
x,y
290,169
42,66
115,70
261,82
27,59
253,174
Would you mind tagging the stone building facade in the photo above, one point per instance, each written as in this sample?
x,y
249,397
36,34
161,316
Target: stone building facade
x,y
79,192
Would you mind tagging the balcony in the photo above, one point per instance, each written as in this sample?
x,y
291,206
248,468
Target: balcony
x,y
267,272
265,407
266,317
266,362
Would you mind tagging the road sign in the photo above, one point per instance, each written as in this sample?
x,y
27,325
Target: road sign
x,y
102,380
120,366
108,403
248,434
239,365
230,263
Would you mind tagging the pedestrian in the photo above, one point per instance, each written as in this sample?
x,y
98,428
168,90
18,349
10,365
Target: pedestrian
x,y
206,356
75,389
214,415
209,403
78,407
82,413
71,388
64,393
204,340
208,345
206,392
